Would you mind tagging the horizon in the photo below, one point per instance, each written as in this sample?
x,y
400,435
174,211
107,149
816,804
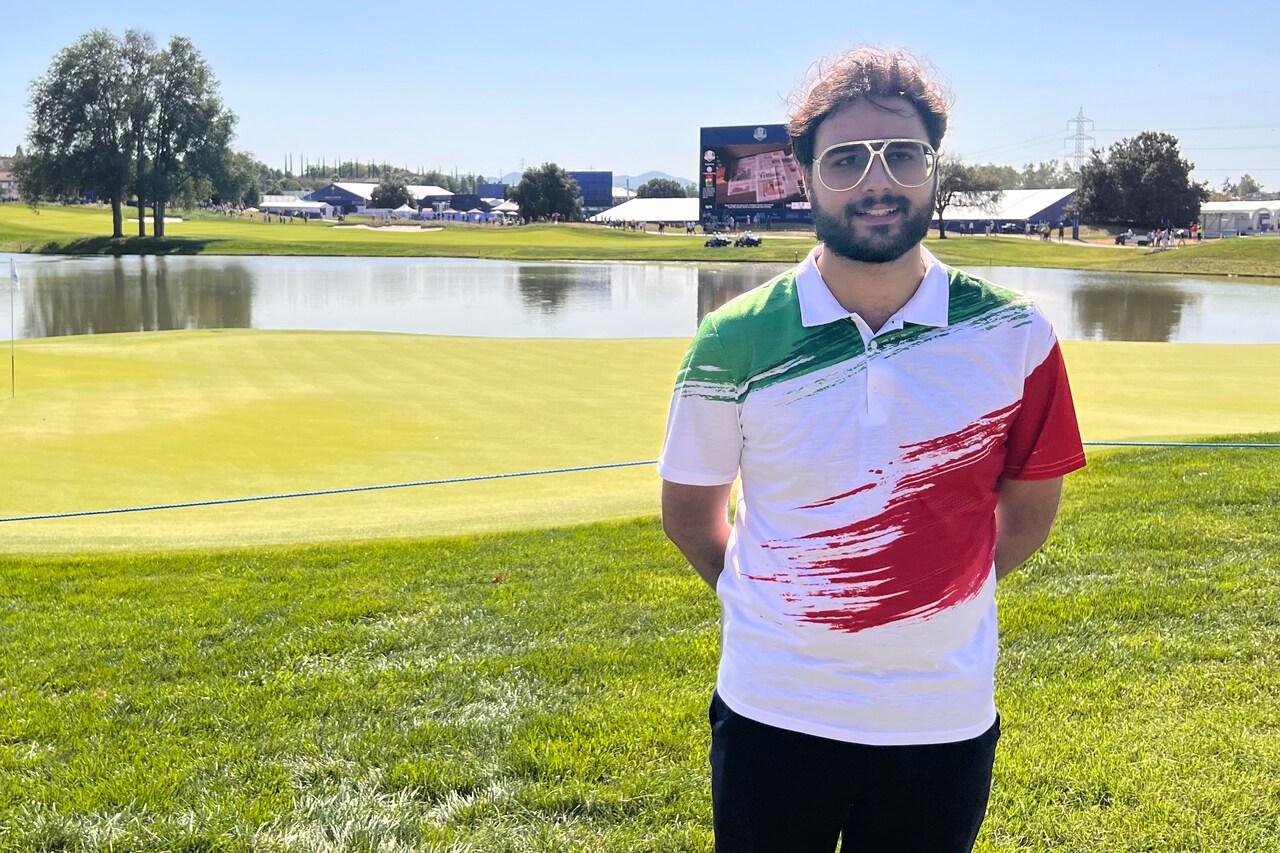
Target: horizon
x,y
597,88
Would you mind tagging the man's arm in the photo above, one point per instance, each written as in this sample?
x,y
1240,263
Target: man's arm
x,y
695,520
1024,517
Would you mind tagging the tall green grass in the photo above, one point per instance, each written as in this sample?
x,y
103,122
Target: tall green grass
x,y
546,690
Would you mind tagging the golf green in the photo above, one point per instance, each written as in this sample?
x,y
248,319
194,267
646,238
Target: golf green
x,y
117,421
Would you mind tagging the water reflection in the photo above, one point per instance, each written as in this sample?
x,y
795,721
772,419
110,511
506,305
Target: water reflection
x,y
547,289
1150,313
450,296
136,295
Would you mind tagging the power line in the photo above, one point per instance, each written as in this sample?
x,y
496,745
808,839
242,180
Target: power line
x,y
1203,127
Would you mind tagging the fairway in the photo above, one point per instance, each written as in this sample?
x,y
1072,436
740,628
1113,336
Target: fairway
x,y
111,421
83,230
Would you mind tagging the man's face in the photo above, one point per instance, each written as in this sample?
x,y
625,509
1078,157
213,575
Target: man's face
x,y
878,220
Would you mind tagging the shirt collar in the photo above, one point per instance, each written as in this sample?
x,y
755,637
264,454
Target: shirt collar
x,y
928,306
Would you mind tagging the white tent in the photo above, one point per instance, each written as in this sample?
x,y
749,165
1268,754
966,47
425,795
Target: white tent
x,y
290,206
1013,205
651,210
1230,218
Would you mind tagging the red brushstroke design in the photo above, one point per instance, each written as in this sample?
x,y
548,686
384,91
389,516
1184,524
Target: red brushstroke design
x,y
831,500
928,550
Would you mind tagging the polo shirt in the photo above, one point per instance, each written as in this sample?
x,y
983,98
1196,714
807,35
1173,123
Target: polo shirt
x,y
858,594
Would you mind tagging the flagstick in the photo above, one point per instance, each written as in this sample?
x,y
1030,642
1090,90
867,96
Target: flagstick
x,y
13,370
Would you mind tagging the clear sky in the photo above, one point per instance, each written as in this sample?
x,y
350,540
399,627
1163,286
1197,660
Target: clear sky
x,y
488,86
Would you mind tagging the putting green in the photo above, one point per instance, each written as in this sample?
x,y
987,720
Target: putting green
x,y
126,420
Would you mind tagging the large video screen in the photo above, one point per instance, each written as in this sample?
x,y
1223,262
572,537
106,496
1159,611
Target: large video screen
x,y
749,170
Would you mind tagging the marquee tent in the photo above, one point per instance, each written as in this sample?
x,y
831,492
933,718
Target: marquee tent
x,y
1231,218
1015,206
651,210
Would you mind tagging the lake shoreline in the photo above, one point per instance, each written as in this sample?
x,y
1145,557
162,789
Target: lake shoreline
x,y
80,231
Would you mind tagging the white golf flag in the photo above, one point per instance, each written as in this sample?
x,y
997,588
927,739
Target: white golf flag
x,y
13,274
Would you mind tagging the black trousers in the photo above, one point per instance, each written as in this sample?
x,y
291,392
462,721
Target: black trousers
x,y
779,791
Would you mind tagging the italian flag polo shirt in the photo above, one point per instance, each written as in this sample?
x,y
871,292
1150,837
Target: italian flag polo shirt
x,y
858,595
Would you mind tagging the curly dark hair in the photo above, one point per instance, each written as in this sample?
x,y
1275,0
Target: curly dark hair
x,y
866,72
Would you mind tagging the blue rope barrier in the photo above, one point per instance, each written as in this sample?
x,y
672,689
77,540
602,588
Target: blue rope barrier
x,y
478,478
320,492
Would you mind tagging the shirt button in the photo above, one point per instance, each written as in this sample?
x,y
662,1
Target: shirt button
x,y
874,345
875,388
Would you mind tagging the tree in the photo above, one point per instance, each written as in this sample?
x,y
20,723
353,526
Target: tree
x,y
190,130
1009,177
113,116
660,188
1141,181
548,190
77,139
964,185
1248,186
390,194
239,182
137,57
1048,175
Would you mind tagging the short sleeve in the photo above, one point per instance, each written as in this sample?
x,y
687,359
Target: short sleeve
x,y
1044,440
703,445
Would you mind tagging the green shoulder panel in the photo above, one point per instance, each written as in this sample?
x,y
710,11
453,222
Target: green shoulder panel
x,y
976,300
765,343
756,340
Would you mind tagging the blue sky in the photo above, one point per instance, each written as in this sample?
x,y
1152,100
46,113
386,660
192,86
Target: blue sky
x,y
479,87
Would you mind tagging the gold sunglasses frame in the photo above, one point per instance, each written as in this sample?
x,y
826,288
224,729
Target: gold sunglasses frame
x,y
932,154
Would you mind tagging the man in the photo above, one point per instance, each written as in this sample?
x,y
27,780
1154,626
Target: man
x,y
901,430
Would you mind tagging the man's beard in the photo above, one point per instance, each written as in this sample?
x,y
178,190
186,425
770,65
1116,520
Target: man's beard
x,y
870,247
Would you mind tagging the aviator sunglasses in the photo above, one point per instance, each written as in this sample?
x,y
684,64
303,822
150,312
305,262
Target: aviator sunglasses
x,y
907,162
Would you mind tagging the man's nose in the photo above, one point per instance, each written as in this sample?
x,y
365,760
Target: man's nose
x,y
877,178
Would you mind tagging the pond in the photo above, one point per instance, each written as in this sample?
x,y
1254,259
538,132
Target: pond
x,y
445,296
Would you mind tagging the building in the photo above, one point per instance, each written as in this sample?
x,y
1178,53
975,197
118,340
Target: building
x,y
1239,218
354,196
344,196
596,190
8,184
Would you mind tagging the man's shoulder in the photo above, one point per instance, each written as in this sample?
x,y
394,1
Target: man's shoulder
x,y
771,303
973,299
758,330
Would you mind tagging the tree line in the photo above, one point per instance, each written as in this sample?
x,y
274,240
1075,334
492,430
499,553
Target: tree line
x,y
1143,181
119,117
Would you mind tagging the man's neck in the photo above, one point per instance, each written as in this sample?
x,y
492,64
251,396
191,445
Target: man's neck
x,y
875,292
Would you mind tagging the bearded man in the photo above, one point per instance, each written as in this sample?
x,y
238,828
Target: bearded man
x,y
901,430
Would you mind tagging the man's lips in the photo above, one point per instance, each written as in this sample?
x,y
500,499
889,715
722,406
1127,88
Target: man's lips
x,y
877,212
879,215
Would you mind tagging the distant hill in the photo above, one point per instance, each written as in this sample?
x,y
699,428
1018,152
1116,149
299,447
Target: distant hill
x,y
637,180
513,178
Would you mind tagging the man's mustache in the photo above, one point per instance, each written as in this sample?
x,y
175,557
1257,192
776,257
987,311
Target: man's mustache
x,y
900,202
